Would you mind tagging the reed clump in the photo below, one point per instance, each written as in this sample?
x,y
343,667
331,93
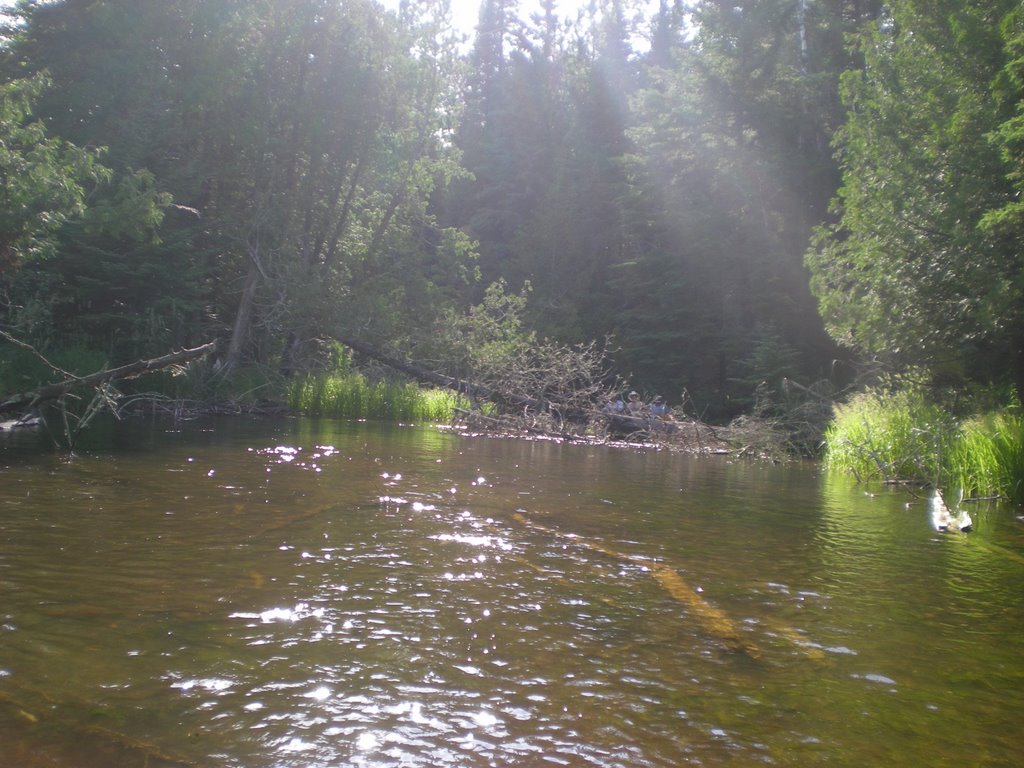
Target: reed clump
x,y
350,394
988,457
889,435
905,436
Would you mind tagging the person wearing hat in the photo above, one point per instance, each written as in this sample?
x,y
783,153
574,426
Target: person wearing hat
x,y
659,407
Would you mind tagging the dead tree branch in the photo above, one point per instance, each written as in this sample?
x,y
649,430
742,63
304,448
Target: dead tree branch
x,y
24,401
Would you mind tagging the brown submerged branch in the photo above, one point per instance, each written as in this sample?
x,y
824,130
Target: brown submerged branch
x,y
714,621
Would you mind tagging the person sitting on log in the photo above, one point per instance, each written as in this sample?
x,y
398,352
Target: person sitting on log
x,y
659,408
635,406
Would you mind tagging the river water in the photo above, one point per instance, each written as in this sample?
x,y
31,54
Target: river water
x,y
298,593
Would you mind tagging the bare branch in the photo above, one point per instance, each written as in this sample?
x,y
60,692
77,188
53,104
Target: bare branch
x,y
24,401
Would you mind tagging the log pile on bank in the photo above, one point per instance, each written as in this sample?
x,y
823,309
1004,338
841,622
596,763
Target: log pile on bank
x,y
691,435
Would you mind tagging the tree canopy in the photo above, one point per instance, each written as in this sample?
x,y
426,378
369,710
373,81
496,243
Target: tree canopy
x,y
278,173
922,264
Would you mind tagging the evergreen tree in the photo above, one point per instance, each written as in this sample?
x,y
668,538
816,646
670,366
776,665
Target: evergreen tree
x,y
732,133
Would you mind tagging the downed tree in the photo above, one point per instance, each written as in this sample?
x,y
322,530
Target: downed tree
x,y
572,390
473,390
19,403
414,371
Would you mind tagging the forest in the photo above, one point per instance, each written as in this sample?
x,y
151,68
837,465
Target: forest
x,y
726,194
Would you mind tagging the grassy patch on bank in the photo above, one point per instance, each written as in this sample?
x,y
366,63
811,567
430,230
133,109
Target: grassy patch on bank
x,y
352,395
904,435
343,392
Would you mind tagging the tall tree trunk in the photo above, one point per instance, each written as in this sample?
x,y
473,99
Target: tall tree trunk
x,y
243,318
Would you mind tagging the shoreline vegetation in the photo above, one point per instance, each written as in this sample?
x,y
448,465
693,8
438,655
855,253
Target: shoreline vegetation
x,y
905,435
898,432
532,218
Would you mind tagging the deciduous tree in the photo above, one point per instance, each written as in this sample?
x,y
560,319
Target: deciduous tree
x,y
907,271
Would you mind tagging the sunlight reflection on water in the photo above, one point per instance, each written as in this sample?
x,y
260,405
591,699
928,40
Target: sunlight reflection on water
x,y
374,601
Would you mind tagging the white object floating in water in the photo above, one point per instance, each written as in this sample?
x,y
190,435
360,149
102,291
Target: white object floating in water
x,y
944,520
964,522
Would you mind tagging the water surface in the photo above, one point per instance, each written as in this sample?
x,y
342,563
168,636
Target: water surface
x,y
316,593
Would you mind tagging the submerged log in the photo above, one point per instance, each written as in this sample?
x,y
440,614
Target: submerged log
x,y
68,731
27,400
714,621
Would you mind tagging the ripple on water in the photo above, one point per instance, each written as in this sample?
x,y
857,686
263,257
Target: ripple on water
x,y
349,616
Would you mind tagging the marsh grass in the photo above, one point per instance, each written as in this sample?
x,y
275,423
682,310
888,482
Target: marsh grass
x,y
903,436
352,395
890,436
988,457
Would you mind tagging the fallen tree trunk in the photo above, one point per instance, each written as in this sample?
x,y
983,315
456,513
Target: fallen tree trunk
x,y
427,376
577,412
24,401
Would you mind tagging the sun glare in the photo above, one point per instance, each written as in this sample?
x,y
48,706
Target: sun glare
x,y
466,13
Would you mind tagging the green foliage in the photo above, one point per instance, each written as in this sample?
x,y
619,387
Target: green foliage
x,y
312,150
44,181
770,361
729,166
353,395
988,458
301,141
891,434
482,340
665,198
70,231
902,434
132,211
1008,89
906,271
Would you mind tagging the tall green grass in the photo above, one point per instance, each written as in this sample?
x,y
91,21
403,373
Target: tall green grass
x,y
988,457
890,436
903,435
352,395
